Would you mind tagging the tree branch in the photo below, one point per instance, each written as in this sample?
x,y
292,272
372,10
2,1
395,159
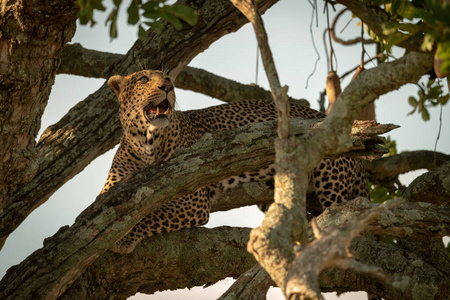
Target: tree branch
x,y
341,41
224,89
77,60
432,187
148,269
92,127
140,271
251,285
215,157
386,169
332,246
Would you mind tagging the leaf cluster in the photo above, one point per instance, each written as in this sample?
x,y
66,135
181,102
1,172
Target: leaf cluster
x,y
145,14
429,19
429,94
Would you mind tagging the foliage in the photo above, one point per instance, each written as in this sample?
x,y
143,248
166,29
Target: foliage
x,y
407,18
429,94
144,13
379,193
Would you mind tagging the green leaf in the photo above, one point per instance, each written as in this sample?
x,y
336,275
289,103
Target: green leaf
x,y
142,33
395,39
425,114
444,99
152,14
155,25
389,28
184,12
391,145
412,101
113,26
133,12
165,14
428,41
87,8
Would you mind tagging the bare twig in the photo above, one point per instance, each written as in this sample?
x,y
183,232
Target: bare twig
x,y
341,41
279,93
287,219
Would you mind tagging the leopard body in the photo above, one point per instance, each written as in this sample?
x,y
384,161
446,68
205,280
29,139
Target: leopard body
x,y
153,129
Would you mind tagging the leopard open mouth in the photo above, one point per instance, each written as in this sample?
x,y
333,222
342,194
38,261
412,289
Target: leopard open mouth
x,y
152,112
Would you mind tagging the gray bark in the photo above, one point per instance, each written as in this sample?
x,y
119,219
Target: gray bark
x,y
184,251
32,36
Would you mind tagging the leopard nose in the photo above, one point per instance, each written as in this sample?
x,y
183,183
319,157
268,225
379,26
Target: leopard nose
x,y
166,87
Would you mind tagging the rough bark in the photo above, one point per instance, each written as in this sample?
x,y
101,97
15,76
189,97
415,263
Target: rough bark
x,y
77,60
31,39
425,281
66,255
140,271
385,170
432,187
190,258
92,127
251,285
329,249
411,220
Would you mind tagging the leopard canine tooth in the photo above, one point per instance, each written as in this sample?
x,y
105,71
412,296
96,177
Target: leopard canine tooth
x,y
157,111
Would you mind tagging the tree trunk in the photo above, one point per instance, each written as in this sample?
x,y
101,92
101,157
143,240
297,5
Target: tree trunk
x,y
32,36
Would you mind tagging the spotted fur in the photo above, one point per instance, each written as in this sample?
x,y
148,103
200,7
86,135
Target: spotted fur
x,y
153,129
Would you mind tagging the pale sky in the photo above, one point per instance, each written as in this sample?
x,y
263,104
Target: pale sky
x,y
234,57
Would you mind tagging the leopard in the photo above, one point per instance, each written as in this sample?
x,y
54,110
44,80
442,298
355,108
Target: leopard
x,y
153,129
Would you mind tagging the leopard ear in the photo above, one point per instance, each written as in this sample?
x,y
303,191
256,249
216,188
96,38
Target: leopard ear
x,y
114,83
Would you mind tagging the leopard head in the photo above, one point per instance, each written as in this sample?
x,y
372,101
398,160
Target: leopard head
x,y
146,98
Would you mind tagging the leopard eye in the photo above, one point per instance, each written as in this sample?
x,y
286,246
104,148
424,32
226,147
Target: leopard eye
x,y
143,79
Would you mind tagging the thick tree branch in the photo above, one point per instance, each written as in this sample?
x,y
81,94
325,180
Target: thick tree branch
x,y
31,39
414,220
332,246
140,271
386,169
224,89
215,157
148,269
77,60
92,127
432,187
